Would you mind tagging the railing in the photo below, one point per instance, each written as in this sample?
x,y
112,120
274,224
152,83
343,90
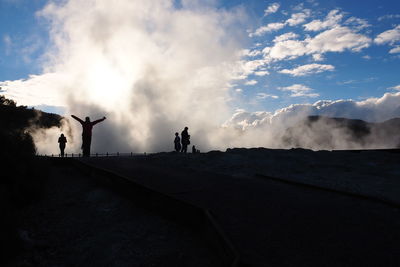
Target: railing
x,y
107,154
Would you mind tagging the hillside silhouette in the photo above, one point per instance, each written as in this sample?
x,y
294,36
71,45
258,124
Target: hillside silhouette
x,y
21,177
320,132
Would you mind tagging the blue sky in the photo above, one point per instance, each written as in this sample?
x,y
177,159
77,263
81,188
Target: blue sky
x,y
359,66
356,74
23,38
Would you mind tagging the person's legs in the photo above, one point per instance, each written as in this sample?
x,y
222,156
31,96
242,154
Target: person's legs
x,y
178,148
86,141
62,148
184,148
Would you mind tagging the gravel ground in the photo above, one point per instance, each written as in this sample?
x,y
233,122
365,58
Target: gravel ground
x,y
79,223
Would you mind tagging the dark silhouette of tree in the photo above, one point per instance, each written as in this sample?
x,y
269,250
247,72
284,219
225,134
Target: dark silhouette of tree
x,y
7,102
20,179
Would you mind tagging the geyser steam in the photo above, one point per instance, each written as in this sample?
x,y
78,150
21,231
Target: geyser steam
x,y
150,67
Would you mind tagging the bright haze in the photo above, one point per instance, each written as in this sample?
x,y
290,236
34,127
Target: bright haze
x,y
237,73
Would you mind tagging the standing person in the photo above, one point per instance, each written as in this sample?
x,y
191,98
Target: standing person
x,y
185,137
177,142
87,127
62,140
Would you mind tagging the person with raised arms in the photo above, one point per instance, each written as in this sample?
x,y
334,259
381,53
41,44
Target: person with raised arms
x,y
87,127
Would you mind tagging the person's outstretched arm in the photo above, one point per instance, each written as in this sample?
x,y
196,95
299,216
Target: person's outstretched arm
x,y
76,118
100,120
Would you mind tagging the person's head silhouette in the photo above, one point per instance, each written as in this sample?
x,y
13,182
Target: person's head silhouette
x,y
186,128
62,135
87,119
176,134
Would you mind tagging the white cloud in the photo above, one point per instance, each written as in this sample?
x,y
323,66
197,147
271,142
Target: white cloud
x,y
299,90
45,89
285,49
389,16
334,38
264,96
245,68
271,9
308,69
397,87
318,57
332,20
251,53
337,39
261,73
295,19
268,28
395,50
285,36
357,23
298,18
251,82
389,36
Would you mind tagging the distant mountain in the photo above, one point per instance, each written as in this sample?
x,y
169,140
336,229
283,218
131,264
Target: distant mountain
x,y
319,132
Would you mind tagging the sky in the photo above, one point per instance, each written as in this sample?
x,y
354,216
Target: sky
x,y
358,67
247,61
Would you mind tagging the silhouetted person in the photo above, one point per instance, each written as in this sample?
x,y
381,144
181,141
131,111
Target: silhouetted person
x,y
62,140
87,127
185,139
177,142
194,150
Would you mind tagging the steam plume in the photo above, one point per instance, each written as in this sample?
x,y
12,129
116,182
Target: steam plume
x,y
151,67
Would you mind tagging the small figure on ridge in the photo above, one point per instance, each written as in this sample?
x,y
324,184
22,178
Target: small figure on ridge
x,y
177,142
185,138
62,140
194,150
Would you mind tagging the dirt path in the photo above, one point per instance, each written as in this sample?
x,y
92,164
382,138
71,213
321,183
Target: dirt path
x,y
79,223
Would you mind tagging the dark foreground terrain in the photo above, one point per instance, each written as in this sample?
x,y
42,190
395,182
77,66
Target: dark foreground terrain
x,y
78,222
273,223
75,220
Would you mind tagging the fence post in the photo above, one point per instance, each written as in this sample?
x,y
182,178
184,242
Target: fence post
x,y
72,154
131,154
117,154
97,154
107,154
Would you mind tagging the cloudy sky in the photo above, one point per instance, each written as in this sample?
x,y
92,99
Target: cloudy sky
x,y
247,61
293,51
